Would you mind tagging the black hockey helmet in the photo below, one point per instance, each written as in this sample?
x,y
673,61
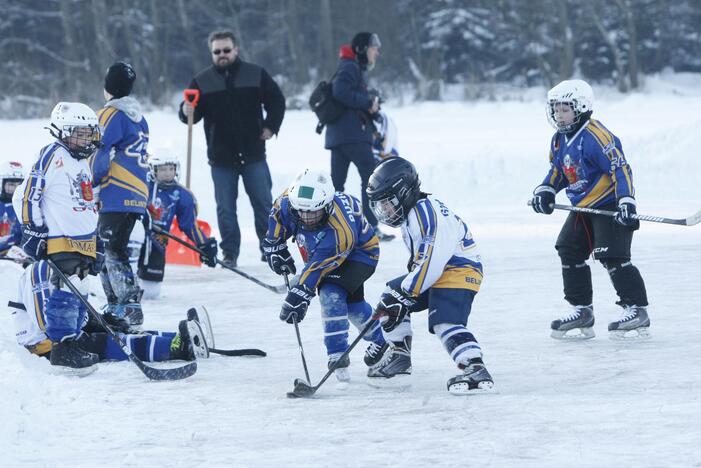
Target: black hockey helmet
x,y
393,190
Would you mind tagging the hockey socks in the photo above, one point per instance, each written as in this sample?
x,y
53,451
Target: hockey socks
x,y
459,342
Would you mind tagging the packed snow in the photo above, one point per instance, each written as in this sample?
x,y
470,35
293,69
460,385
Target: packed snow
x,y
594,403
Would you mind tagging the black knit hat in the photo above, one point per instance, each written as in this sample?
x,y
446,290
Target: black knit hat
x,y
360,42
119,79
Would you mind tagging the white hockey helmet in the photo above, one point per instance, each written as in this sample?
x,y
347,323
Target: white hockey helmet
x,y
311,196
160,158
10,171
77,126
575,93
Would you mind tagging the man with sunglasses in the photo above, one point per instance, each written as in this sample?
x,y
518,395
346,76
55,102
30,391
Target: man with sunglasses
x,y
233,95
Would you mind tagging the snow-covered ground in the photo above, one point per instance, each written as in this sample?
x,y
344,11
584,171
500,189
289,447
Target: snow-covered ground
x,y
595,403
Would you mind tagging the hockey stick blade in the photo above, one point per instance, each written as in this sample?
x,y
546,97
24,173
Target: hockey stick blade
x,y
238,352
175,373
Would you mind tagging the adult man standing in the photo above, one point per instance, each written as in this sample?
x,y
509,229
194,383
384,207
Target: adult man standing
x,y
233,95
350,137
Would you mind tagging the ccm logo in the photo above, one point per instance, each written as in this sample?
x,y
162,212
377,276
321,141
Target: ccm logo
x,y
601,249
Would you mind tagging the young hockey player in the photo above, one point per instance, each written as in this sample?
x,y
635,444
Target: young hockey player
x,y
445,274
384,138
30,316
57,208
119,170
340,252
168,199
11,175
587,160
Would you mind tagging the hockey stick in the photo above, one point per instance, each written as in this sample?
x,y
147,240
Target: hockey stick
x,y
299,337
303,389
238,352
176,373
690,221
276,289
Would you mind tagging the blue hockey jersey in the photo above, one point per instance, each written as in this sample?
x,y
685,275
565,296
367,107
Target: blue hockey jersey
x,y
346,236
591,166
10,227
167,202
119,167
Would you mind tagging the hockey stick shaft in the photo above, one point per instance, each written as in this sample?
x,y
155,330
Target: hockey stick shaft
x,y
270,287
152,373
299,337
690,221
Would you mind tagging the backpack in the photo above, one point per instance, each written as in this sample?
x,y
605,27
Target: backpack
x,y
324,105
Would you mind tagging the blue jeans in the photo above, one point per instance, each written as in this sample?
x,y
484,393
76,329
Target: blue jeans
x,y
258,185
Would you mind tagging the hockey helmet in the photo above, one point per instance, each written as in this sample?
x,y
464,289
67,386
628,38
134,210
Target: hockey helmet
x,y
11,175
578,95
164,167
393,190
311,197
76,125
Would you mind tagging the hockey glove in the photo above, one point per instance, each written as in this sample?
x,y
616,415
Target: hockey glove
x,y
296,303
543,199
626,210
34,240
99,262
278,257
209,247
393,307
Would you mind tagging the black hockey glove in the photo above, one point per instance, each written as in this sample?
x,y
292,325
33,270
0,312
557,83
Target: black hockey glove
x,y
209,247
99,262
626,210
393,307
543,198
296,303
34,240
279,258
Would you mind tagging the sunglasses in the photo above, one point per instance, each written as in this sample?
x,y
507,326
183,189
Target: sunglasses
x,y
222,51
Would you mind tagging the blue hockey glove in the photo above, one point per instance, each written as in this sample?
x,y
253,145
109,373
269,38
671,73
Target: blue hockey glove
x,y
34,240
279,258
626,210
209,247
393,307
99,262
543,198
296,303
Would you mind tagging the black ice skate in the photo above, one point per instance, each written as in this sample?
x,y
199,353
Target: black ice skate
x,y
189,343
68,353
634,324
201,316
397,362
474,379
125,318
341,372
374,353
577,325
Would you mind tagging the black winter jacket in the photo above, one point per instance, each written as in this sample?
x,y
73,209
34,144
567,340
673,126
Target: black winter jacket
x,y
231,103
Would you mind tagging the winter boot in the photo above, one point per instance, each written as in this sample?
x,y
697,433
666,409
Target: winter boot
x,y
579,322
341,371
374,353
634,324
68,353
474,379
397,361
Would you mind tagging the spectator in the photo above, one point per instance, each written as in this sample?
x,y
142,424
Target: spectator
x,y
233,95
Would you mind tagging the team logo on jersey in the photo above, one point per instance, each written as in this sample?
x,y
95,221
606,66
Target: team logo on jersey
x,y
81,192
302,246
570,169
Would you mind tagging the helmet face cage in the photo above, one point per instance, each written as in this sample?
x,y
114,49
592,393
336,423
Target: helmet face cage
x,y
388,210
81,140
393,190
314,219
157,173
562,127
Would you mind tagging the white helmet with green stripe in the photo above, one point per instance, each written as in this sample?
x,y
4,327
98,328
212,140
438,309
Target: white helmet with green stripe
x,y
311,196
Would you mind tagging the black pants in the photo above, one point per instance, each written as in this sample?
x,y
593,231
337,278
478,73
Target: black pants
x,y
359,154
117,278
583,235
351,276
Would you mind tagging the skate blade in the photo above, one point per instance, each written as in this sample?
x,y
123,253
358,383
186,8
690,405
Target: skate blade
x,y
397,382
71,372
463,388
342,375
574,334
636,334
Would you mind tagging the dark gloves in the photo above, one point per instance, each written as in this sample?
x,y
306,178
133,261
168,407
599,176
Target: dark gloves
x,y
296,303
543,198
34,240
99,261
209,247
626,210
278,257
393,307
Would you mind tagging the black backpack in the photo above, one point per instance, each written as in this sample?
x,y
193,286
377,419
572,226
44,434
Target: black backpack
x,y
324,105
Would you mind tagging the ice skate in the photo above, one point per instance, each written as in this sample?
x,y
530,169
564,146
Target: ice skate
x,y
474,379
201,316
341,372
125,318
68,354
374,353
577,325
189,343
634,324
395,368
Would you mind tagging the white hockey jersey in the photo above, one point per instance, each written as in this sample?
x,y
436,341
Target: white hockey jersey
x,y
443,252
58,193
